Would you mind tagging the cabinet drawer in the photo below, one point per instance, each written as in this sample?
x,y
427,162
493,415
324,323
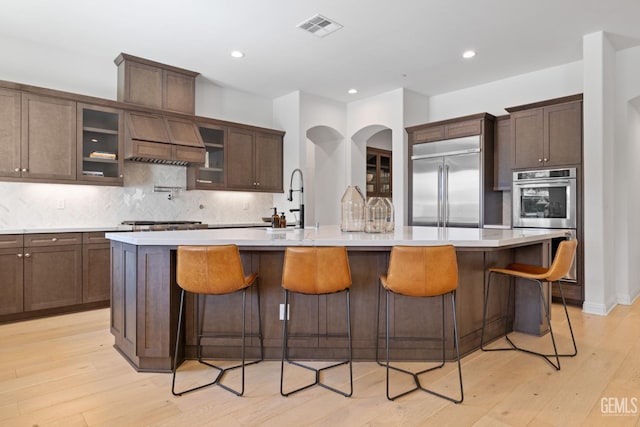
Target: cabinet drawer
x,y
53,239
11,241
94,237
468,128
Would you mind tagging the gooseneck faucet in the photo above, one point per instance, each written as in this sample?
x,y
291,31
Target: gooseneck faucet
x,y
301,190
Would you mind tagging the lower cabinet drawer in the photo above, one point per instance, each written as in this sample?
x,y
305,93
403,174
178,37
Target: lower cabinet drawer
x,y
52,239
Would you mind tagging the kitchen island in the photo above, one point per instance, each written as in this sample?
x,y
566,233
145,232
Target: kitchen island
x,y
145,296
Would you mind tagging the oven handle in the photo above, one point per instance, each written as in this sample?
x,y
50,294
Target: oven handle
x,y
542,183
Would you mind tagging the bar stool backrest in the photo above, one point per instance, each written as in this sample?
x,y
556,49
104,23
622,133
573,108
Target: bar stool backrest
x,y
316,270
212,270
422,271
563,260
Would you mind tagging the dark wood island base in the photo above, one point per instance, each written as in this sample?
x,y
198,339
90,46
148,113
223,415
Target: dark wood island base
x,y
145,299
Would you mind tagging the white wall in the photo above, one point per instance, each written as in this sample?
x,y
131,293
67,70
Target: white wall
x,y
381,140
287,116
26,205
233,105
415,108
627,154
494,97
323,122
382,111
599,148
37,64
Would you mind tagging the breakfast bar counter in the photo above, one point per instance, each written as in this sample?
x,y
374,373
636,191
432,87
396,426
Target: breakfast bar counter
x,y
145,295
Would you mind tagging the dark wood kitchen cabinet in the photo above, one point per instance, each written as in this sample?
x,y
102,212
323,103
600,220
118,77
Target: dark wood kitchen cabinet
x,y
449,130
10,107
96,284
378,172
547,134
53,273
37,137
100,145
212,174
254,160
11,274
155,85
52,270
48,138
502,172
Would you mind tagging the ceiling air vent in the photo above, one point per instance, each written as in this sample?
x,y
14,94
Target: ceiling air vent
x,y
319,26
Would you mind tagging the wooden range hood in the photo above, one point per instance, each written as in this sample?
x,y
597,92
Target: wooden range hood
x,y
160,139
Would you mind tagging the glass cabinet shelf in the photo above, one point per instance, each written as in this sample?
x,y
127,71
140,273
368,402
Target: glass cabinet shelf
x,y
99,153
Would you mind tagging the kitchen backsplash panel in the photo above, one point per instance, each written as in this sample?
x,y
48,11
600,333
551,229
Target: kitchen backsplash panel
x,y
30,205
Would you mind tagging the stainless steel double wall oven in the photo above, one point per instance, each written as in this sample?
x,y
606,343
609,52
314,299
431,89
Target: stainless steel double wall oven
x,y
546,199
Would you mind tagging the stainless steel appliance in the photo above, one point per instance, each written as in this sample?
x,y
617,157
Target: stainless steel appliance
x,y
547,199
165,225
447,183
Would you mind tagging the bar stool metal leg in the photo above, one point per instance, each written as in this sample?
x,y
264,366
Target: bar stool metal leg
x,y
318,380
548,357
221,371
416,375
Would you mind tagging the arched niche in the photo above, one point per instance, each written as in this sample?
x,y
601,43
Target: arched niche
x,y
326,169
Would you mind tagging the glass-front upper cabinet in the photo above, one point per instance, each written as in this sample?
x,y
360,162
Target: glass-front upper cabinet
x,y
211,175
100,145
378,173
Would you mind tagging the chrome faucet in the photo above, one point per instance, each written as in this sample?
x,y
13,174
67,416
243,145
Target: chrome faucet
x,y
301,190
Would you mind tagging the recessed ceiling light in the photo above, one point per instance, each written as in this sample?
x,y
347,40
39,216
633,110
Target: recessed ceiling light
x,y
237,54
353,91
469,54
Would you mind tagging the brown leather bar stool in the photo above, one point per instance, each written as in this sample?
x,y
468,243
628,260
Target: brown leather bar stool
x,y
315,271
210,271
422,271
559,268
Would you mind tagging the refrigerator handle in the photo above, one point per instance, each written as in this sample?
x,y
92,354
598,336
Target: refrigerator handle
x,y
440,190
446,196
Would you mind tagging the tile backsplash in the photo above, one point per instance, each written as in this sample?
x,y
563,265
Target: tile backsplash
x,y
31,205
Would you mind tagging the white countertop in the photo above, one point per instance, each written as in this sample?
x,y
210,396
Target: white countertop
x,y
330,235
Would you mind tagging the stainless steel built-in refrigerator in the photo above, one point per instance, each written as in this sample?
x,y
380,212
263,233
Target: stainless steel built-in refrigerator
x,y
447,183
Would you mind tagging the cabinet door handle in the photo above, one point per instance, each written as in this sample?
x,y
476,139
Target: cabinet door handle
x,y
19,255
16,170
545,159
540,160
54,239
27,255
24,169
121,176
257,183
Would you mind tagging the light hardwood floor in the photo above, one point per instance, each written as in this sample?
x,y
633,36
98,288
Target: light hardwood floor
x,y
63,371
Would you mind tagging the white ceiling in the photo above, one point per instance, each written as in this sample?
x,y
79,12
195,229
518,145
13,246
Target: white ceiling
x,y
384,45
